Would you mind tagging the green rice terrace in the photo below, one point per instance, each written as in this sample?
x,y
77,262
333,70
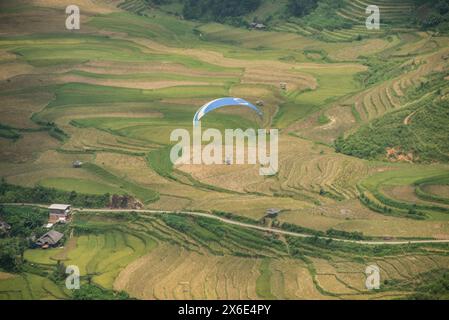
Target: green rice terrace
x,y
363,175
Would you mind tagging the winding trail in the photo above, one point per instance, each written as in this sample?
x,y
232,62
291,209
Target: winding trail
x,y
245,225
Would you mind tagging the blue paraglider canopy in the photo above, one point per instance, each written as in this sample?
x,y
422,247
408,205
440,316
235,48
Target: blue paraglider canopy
x,y
222,102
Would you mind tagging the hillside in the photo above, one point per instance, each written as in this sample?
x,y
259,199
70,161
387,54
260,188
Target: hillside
x,y
416,132
87,117
307,17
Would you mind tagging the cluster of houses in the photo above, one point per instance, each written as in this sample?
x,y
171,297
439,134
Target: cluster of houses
x,y
58,213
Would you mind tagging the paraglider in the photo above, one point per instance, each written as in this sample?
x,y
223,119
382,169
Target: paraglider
x,y
192,151
222,102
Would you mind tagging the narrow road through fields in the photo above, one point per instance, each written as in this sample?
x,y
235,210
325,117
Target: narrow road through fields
x,y
245,225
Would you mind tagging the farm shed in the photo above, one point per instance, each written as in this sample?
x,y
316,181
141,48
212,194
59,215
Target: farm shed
x,y
59,212
77,164
50,239
258,26
272,212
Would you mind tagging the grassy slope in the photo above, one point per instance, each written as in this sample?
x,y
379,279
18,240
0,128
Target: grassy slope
x,y
104,244
419,129
109,244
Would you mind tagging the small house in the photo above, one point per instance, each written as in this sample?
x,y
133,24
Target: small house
x,y
260,26
257,26
59,213
283,85
50,239
272,212
77,164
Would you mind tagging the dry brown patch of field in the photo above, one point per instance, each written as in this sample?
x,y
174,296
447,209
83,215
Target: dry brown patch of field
x,y
367,222
137,84
27,147
93,6
92,139
16,111
173,273
396,227
130,167
169,202
52,157
352,52
35,175
49,164
9,70
255,71
296,281
438,190
115,67
273,77
246,205
341,118
6,276
330,283
7,57
405,193
302,166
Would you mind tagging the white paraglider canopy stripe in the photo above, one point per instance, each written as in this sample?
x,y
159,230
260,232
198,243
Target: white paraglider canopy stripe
x,y
222,102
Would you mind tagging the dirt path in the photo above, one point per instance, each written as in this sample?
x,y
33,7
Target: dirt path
x,y
409,117
241,224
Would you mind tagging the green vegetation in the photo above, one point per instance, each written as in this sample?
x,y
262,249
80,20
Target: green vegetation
x,y
424,138
432,286
93,292
324,16
434,15
218,10
323,119
420,186
417,131
39,194
80,186
159,161
332,84
8,132
372,192
263,287
111,97
142,193
25,223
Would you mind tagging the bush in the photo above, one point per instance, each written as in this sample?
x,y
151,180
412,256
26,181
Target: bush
x,y
13,194
93,292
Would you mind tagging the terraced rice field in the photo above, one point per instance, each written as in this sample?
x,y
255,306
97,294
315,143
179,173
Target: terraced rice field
x,y
111,93
151,257
393,15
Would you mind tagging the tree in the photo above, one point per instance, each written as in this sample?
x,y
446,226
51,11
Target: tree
x,y
11,251
300,8
218,10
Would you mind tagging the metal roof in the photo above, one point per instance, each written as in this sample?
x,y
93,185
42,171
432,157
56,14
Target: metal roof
x,y
59,206
51,237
